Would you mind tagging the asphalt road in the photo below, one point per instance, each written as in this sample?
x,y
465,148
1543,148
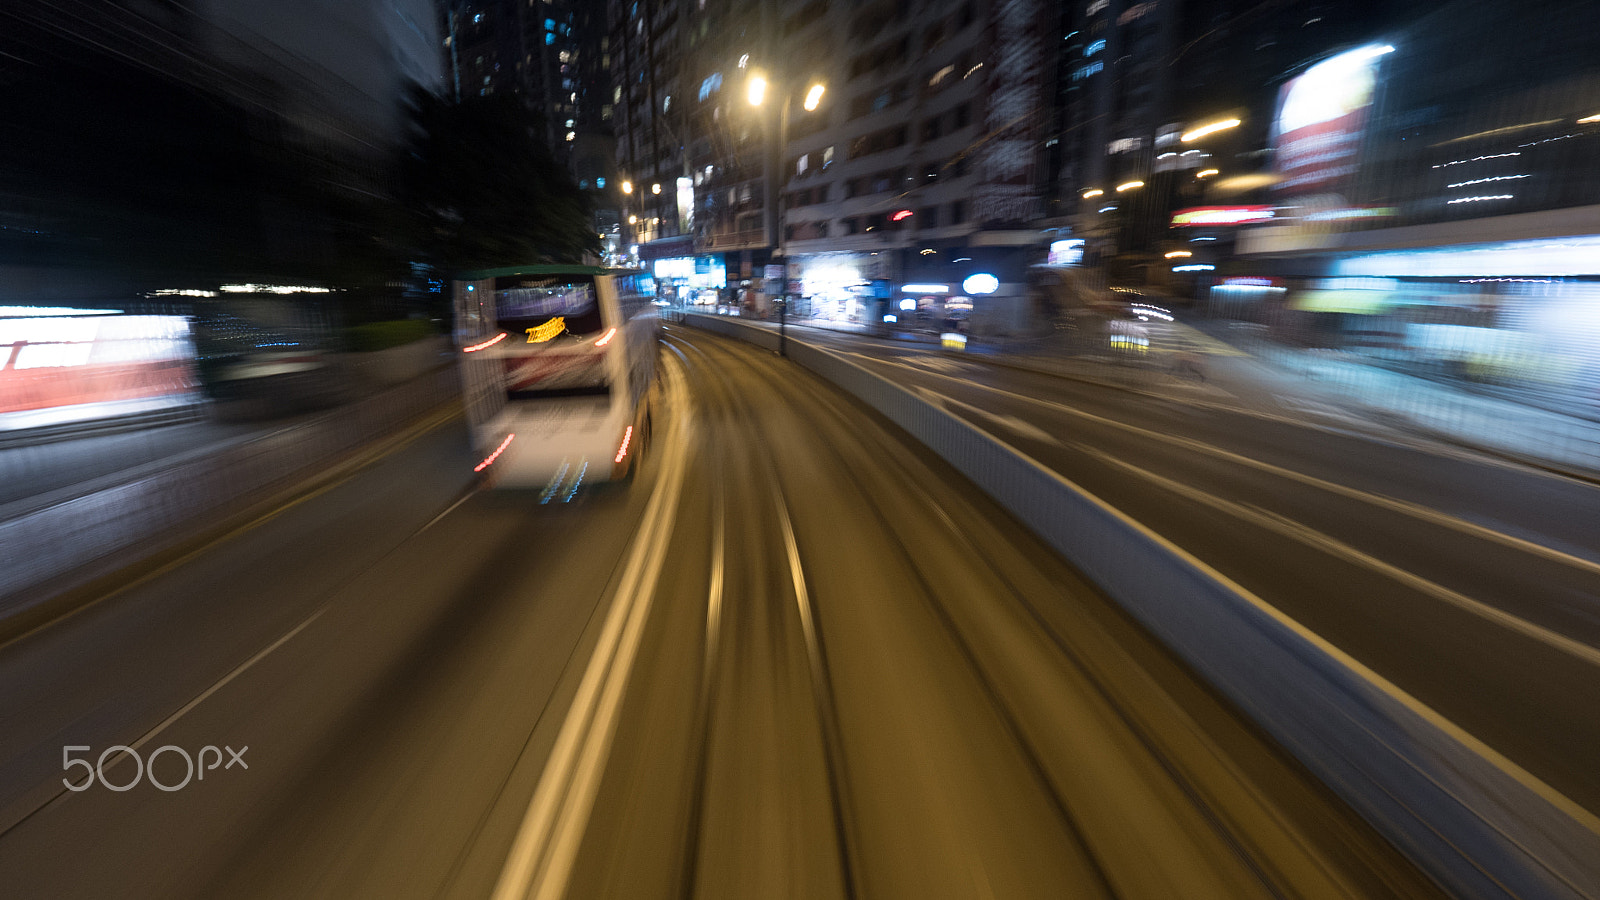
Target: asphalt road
x,y
1471,582
797,656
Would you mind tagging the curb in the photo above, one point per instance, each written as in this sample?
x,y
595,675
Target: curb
x,y
68,431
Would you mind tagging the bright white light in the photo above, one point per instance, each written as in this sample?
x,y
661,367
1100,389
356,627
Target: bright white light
x,y
6,311
1195,267
1330,89
274,289
627,187
814,97
1129,185
182,292
981,283
53,356
890,317
1212,128
908,304
655,188
1107,208
926,289
756,90
1487,180
1587,119
1564,257
1485,197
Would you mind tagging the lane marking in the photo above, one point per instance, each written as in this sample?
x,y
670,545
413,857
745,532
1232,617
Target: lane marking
x,y
364,460
541,858
714,595
1404,507
1020,426
1334,547
797,576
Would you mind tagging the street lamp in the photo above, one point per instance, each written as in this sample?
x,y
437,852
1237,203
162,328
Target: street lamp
x,y
1210,128
756,94
627,187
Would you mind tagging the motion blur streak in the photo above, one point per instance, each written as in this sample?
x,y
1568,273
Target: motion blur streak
x,y
489,461
540,860
489,343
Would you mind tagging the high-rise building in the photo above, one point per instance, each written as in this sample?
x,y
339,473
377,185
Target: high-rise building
x,y
865,145
553,54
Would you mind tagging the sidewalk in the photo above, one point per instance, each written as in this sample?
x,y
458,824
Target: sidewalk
x,y
1237,369
1458,414
1247,371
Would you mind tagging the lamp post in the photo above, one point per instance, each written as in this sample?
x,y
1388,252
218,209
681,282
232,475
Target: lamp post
x,y
756,93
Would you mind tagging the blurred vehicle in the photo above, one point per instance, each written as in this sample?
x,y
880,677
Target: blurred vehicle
x,y
264,356
557,366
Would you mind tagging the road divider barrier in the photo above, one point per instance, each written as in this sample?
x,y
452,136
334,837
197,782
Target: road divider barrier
x,y
1473,820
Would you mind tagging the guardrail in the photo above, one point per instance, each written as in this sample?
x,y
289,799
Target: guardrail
x,y
1474,821
52,550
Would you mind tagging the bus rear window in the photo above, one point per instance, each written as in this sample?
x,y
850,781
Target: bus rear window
x,y
533,301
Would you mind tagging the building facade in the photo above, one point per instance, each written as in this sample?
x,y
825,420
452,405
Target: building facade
x,y
853,147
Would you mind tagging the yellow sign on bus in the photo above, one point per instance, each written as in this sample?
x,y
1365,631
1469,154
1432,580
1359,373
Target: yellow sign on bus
x,y
538,334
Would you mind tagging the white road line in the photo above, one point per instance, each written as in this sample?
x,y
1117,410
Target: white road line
x,y
541,857
714,595
1414,510
1020,426
797,574
1335,547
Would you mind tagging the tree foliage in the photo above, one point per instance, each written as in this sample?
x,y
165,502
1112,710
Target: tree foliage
x,y
486,191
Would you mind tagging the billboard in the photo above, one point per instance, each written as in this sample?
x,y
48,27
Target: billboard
x,y
1322,116
1221,215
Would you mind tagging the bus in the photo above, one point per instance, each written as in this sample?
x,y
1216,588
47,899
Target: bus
x,y
557,363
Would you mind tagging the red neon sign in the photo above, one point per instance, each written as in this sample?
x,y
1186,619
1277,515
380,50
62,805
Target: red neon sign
x,y
1221,215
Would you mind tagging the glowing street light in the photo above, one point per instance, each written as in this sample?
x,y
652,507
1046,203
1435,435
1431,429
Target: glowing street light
x,y
756,90
655,188
1205,173
1129,185
814,97
627,187
1211,128
1091,194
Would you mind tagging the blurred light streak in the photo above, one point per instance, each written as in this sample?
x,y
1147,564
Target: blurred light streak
x,y
489,343
495,455
606,338
627,437
1211,128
